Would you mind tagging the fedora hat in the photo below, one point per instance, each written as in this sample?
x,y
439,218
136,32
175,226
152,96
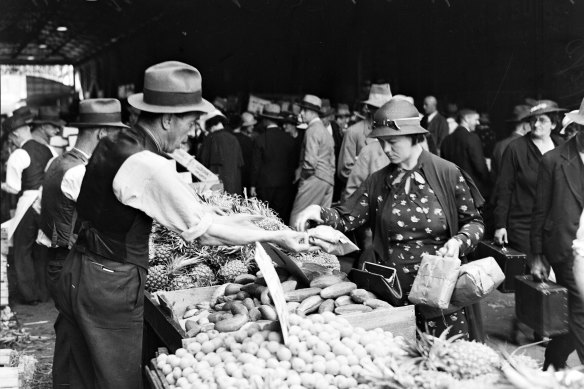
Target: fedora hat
x,y
24,113
311,102
99,113
396,117
247,119
171,87
542,107
519,113
290,117
342,110
49,115
271,111
577,116
379,94
15,122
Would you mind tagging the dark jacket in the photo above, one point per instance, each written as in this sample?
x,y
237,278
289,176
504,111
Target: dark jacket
x,y
558,203
438,129
221,153
246,145
274,159
498,152
464,149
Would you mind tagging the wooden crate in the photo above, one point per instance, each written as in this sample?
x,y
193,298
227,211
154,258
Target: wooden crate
x,y
400,321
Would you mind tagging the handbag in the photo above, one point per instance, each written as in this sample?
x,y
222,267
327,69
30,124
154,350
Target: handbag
x,y
435,281
476,280
381,280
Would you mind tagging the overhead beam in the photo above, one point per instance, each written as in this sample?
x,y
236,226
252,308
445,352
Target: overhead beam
x,y
42,20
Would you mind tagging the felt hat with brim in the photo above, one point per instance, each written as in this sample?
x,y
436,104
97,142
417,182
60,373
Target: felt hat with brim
x,y
247,119
543,107
395,118
272,112
343,110
379,94
15,122
171,87
49,115
290,117
25,113
519,113
99,113
311,102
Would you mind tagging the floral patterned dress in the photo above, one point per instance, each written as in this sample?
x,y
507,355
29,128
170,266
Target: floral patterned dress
x,y
415,224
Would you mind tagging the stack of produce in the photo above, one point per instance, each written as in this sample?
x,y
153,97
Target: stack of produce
x,y
248,300
175,264
324,351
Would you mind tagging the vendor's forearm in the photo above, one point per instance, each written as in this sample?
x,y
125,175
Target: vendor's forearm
x,y
225,234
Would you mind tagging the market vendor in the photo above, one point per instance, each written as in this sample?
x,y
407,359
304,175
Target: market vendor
x,y
419,204
128,183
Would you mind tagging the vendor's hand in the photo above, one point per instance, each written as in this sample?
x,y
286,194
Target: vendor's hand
x,y
451,248
253,192
501,236
310,213
540,268
294,241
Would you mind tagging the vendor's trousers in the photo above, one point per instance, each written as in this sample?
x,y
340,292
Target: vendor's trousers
x,y
560,347
30,259
55,259
312,190
100,323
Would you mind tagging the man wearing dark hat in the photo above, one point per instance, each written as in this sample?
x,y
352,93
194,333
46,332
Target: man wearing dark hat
x,y
317,160
273,164
47,125
97,118
556,214
25,170
520,129
128,183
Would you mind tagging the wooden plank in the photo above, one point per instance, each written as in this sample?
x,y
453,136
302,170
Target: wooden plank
x,y
153,379
400,321
159,374
161,323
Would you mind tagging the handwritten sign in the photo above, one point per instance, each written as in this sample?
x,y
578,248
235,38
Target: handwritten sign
x,y
256,104
273,282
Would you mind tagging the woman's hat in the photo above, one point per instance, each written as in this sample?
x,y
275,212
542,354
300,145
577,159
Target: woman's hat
x,y
171,87
577,116
212,115
379,94
49,115
312,103
272,112
542,107
99,113
396,117
247,119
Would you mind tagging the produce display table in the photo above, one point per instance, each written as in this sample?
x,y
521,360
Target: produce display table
x,y
160,329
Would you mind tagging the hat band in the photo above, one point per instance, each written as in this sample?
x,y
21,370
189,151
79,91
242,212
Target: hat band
x,y
393,123
94,117
172,98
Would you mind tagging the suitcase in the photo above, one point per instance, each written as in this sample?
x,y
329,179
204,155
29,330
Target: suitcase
x,y
542,306
512,262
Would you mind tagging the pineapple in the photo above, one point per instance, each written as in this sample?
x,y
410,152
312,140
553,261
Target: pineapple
x,y
430,379
157,278
232,269
203,274
183,281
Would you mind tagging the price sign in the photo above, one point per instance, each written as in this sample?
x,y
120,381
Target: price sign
x,y
265,264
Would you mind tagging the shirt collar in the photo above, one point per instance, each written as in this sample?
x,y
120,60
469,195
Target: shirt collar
x,y
88,156
431,116
150,136
314,121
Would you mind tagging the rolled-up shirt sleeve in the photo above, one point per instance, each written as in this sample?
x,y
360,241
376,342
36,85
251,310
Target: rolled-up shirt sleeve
x,y
71,183
150,183
17,162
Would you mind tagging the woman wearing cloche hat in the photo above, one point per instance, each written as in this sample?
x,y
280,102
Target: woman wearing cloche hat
x,y
418,204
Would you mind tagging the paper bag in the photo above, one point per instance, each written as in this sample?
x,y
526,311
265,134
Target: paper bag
x,y
435,281
331,241
476,280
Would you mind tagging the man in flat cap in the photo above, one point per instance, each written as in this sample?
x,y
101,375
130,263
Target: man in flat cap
x,y
128,183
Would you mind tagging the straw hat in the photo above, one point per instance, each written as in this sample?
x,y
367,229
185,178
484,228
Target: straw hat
x,y
312,103
577,116
271,111
49,115
99,113
397,117
171,87
542,107
247,119
379,94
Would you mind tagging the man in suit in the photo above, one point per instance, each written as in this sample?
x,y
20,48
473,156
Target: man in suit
x,y
556,213
274,161
434,122
317,160
463,147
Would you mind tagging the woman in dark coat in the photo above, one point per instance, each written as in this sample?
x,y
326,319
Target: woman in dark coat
x,y
419,204
516,183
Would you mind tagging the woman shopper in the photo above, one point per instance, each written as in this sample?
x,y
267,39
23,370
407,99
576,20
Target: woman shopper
x,y
516,183
418,204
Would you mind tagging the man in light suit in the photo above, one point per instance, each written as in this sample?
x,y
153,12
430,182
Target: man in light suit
x,y
317,160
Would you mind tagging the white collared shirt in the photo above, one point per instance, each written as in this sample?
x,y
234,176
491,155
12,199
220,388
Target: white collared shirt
x,y
431,116
578,245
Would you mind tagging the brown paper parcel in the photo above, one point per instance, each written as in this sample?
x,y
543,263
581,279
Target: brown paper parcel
x,y
331,241
435,281
476,280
